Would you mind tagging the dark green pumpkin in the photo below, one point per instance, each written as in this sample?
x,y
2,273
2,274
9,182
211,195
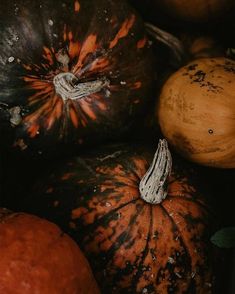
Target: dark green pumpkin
x,y
71,72
132,246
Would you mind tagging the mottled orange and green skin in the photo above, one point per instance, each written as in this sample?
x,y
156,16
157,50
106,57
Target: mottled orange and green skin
x,y
93,40
132,246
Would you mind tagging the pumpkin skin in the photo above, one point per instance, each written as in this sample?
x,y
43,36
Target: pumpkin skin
x,y
196,112
196,10
132,246
78,42
36,257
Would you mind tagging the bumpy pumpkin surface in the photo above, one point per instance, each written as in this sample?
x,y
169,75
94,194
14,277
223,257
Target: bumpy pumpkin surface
x,y
37,257
132,246
196,111
72,72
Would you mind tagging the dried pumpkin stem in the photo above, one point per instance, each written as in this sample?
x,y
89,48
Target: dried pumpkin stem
x,y
68,86
153,187
172,42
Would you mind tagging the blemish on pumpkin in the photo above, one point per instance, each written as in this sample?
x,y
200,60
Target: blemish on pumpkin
x,y
210,131
123,32
77,6
141,43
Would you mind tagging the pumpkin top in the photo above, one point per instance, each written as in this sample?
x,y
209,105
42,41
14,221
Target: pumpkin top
x,y
67,77
196,111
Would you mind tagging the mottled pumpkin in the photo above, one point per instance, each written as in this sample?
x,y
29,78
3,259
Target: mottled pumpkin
x,y
37,257
196,111
132,246
72,72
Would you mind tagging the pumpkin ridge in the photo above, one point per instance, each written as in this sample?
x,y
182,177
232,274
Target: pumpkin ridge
x,y
97,223
180,237
137,276
202,205
120,241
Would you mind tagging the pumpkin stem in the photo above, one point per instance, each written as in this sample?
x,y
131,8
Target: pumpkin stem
x,y
172,42
153,188
68,87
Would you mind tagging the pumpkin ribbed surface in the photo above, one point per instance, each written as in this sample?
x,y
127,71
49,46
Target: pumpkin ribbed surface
x,y
133,247
67,77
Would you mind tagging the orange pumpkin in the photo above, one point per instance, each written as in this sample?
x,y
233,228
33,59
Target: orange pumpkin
x,y
37,257
195,10
196,111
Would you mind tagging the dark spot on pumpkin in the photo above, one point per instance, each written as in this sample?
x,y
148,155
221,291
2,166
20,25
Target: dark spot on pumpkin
x,y
210,131
180,140
200,76
192,67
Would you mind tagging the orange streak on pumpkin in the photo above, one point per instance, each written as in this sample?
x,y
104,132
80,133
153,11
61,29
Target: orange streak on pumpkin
x,y
33,130
86,108
102,106
88,46
27,67
65,33
74,48
77,6
70,36
58,108
141,43
83,122
67,176
48,55
99,64
123,32
141,166
74,118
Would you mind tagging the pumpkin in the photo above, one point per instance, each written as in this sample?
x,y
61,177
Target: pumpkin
x,y
203,45
196,111
72,73
133,246
196,10
37,257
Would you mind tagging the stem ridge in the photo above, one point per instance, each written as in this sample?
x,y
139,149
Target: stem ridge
x,y
153,187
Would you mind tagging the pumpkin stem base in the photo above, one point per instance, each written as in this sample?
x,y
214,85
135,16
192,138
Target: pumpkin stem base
x,y
153,188
68,86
